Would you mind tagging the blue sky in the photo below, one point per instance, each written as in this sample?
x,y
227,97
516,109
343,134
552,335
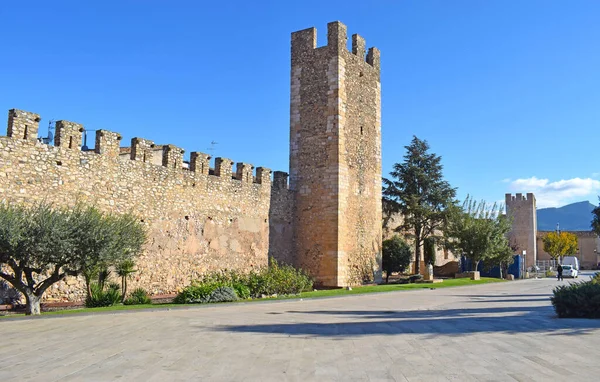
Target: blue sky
x,y
507,92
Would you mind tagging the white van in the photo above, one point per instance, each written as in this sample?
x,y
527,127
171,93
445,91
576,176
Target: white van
x,y
571,260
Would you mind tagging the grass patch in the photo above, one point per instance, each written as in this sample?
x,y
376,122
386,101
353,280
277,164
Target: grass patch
x,y
321,293
398,287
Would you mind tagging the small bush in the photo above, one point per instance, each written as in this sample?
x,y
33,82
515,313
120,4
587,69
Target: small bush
x,y
138,297
223,294
101,297
550,273
415,278
242,291
579,300
195,294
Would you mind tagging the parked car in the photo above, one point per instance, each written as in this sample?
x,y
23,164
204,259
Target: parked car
x,y
569,271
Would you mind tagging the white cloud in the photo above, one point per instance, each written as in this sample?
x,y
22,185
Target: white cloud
x,y
557,193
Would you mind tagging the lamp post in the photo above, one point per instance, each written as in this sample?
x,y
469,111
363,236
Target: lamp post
x,y
524,264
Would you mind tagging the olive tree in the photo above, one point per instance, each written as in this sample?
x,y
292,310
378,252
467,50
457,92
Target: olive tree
x,y
479,232
41,245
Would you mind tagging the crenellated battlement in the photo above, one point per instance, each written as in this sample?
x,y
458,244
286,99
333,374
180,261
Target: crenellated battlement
x,y
304,44
23,125
519,198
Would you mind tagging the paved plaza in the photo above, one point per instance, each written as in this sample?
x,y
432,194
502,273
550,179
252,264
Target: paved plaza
x,y
492,332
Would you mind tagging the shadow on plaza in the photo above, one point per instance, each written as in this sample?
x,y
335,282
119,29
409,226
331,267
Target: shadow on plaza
x,y
453,322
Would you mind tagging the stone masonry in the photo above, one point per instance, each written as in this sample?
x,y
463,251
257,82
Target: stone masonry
x,y
202,218
335,157
522,211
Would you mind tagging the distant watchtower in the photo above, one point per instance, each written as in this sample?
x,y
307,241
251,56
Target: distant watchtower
x,y
335,156
524,226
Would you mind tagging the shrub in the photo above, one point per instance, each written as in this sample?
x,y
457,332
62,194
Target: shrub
x,y
550,273
242,291
101,297
274,279
223,294
195,294
396,256
278,279
415,278
580,300
138,297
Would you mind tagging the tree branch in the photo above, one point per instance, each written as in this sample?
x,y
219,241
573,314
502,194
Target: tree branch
x,y
16,283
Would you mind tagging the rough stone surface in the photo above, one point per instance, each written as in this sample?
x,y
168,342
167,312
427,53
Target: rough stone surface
x,y
335,157
197,222
494,332
327,221
521,210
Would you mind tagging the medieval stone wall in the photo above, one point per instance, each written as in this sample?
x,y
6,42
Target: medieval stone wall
x,y
335,156
281,220
196,221
522,211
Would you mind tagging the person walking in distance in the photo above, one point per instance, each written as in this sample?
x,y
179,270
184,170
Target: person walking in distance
x,y
559,272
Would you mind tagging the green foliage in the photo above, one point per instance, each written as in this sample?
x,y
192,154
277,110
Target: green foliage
x,y
223,294
195,294
278,279
100,296
41,245
579,300
429,250
550,273
479,232
596,219
274,279
396,256
139,296
419,192
125,269
415,278
242,291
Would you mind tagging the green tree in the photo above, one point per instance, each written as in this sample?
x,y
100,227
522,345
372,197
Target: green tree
x,y
479,232
560,244
419,192
37,247
125,269
596,219
42,245
429,250
396,256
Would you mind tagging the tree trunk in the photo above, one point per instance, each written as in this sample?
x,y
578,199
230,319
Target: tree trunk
x,y
124,288
475,265
387,277
417,254
88,285
32,304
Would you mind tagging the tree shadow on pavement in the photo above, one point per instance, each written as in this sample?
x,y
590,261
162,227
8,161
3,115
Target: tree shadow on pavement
x,y
452,322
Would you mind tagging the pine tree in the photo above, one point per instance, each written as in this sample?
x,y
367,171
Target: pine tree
x,y
418,191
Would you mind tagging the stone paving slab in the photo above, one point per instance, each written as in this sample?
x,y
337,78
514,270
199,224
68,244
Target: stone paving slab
x,y
492,332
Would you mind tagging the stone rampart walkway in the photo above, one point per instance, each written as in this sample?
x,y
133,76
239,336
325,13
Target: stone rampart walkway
x,y
493,332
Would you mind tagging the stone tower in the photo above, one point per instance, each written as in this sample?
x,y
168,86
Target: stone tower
x,y
524,226
335,157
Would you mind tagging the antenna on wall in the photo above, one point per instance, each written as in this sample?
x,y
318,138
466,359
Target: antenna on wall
x,y
49,139
85,146
211,149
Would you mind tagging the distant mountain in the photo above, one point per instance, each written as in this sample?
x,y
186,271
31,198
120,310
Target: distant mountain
x,y
572,217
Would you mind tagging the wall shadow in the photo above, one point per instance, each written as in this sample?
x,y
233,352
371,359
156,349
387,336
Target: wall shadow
x,y
452,322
